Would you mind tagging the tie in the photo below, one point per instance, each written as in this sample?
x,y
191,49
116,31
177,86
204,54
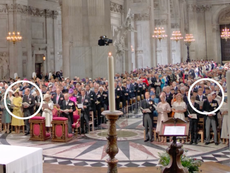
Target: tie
x,y
57,99
67,102
83,99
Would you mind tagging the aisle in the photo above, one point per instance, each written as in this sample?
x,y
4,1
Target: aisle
x,y
133,151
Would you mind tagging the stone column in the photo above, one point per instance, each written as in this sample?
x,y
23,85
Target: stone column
x,y
169,44
66,4
182,16
55,40
209,34
127,59
152,41
192,28
12,62
18,45
30,63
83,22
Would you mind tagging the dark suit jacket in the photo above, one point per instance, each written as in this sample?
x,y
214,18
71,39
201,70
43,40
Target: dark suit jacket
x,y
92,97
146,105
169,98
208,107
31,102
70,105
198,98
192,111
85,103
60,100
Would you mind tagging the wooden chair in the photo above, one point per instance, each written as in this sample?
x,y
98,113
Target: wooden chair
x,y
55,112
60,130
38,129
142,96
201,130
218,134
76,121
91,121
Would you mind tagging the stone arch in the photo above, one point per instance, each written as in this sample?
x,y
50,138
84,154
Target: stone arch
x,y
217,14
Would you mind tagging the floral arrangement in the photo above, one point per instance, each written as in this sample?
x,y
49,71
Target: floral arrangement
x,y
191,164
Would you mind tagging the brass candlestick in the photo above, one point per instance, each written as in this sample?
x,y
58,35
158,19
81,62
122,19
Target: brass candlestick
x,y
112,148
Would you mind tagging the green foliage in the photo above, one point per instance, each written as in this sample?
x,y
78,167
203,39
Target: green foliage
x,y
192,164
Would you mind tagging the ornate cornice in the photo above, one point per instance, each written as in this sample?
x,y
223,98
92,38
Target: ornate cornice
x,y
161,21
141,17
201,8
116,8
175,25
3,54
139,51
23,9
140,1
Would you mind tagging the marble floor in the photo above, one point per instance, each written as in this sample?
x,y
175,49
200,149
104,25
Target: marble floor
x,y
89,150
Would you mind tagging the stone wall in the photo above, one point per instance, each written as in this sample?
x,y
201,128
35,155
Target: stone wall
x,y
39,23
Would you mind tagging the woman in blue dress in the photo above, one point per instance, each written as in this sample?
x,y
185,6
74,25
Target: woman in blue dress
x,y
6,117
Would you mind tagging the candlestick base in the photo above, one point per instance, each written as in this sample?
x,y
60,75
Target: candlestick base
x,y
112,148
175,151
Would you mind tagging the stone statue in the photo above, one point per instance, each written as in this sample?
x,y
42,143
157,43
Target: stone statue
x,y
4,65
34,75
120,34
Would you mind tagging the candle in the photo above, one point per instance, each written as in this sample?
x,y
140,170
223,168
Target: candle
x,y
110,64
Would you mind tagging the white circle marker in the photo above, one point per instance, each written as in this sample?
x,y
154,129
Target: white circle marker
x,y
5,104
205,79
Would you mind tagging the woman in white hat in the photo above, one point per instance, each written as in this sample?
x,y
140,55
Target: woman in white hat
x,y
17,111
47,111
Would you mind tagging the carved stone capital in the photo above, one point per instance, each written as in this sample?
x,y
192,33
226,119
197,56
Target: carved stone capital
x,y
175,25
161,21
23,9
141,17
140,1
116,8
201,8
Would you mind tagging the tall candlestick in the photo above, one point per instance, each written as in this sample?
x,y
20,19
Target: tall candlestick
x,y
110,64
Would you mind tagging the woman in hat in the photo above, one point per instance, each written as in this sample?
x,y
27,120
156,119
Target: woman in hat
x,y
17,111
179,107
6,118
47,111
71,97
163,108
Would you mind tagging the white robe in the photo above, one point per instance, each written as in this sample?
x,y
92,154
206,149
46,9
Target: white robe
x,y
48,114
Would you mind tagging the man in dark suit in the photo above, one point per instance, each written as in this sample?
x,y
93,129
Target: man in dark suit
x,y
92,96
148,117
193,122
38,101
169,95
28,110
58,98
209,106
70,106
98,103
85,100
